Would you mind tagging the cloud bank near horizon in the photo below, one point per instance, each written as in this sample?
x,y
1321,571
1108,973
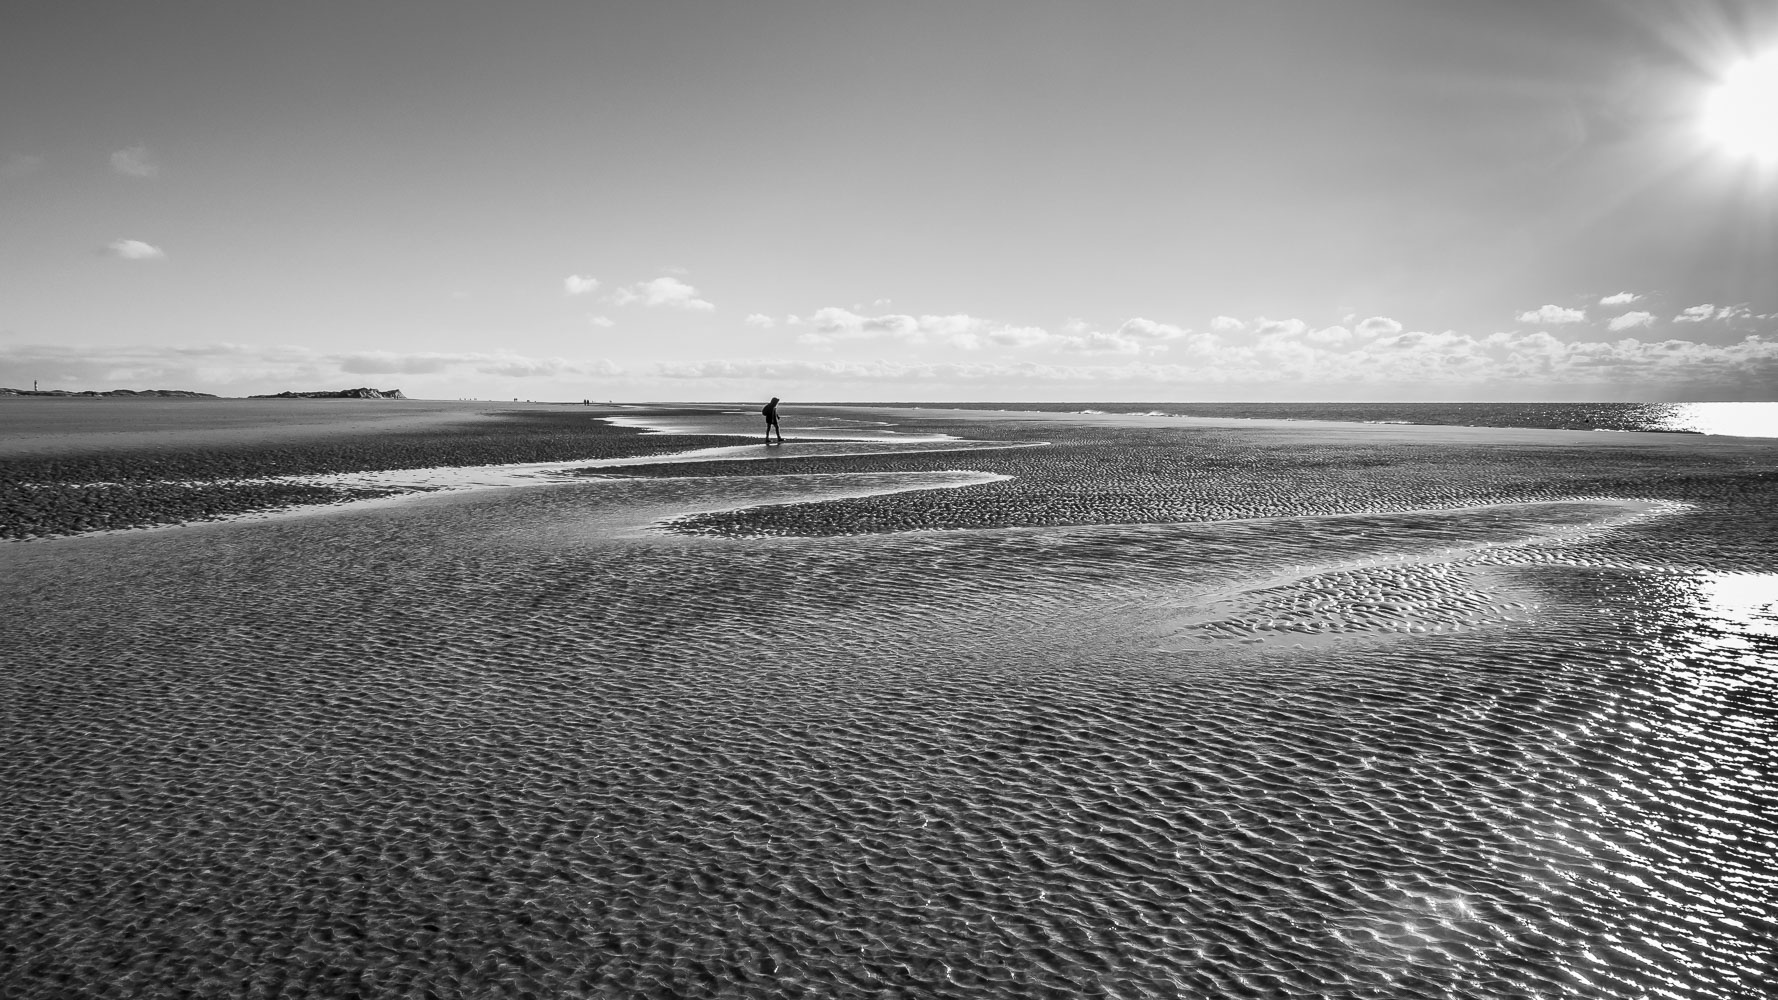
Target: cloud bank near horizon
x,y
249,368
1266,358
1291,359
853,351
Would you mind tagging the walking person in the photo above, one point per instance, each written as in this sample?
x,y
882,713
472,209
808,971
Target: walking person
x,y
771,412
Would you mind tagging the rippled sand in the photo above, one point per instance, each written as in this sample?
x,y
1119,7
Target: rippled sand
x,y
1143,712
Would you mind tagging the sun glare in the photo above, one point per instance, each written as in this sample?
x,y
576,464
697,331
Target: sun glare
x,y
1741,115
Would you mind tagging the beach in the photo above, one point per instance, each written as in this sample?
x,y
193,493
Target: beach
x,y
75,466
476,699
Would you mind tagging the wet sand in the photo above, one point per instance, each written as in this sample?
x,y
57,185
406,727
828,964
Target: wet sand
x,y
78,466
61,425
1089,708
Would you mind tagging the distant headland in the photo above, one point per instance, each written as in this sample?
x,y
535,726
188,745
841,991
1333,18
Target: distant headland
x,y
360,393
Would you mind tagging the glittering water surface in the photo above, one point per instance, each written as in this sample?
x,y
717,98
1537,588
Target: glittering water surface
x,y
1451,722
1741,419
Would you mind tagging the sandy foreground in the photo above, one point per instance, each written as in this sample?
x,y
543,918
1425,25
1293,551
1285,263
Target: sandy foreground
x,y
1011,705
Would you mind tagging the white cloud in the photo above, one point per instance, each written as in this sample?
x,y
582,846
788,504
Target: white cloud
x,y
1279,327
134,250
1227,324
135,161
1137,335
603,322
1630,319
1620,299
760,320
1699,314
1329,336
952,325
1379,326
662,291
1016,336
1097,342
1553,315
1149,330
833,325
576,284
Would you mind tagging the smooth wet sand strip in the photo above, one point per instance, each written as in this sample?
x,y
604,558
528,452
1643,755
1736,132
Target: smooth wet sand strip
x,y
575,471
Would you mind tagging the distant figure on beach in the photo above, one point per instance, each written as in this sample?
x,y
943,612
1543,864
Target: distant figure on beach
x,y
771,412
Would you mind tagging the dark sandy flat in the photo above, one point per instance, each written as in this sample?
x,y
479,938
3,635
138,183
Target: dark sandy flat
x,y
56,425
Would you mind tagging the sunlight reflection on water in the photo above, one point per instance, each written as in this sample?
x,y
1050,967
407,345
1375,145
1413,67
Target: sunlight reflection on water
x,y
1748,601
1736,419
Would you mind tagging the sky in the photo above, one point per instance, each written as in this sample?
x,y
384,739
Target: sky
x,y
919,201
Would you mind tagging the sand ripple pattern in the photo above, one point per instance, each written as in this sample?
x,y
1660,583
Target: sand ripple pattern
x,y
468,747
1144,475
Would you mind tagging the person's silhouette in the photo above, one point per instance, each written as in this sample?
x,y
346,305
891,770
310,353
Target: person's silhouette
x,y
771,412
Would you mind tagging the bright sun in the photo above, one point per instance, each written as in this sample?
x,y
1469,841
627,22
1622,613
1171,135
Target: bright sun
x,y
1741,115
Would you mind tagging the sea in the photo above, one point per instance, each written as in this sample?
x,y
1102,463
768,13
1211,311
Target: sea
x,y
927,704
1744,419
